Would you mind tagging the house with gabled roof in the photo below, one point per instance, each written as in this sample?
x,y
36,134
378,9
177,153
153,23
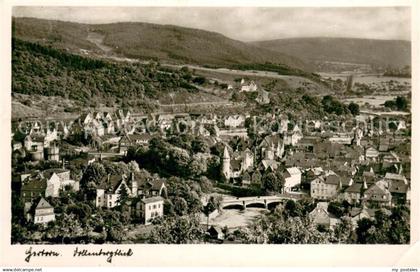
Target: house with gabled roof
x,y
85,118
292,177
152,187
263,97
292,138
33,186
378,193
357,214
109,190
44,212
353,193
399,187
273,143
326,186
58,179
251,87
321,217
234,121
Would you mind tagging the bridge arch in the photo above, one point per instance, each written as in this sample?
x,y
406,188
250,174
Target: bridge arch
x,y
233,206
257,204
273,204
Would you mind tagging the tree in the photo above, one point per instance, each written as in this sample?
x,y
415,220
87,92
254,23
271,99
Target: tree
x,y
168,208
400,225
93,173
177,230
390,104
335,209
199,80
133,166
198,145
212,205
401,103
123,195
180,206
362,230
279,230
354,108
198,165
270,182
293,209
344,233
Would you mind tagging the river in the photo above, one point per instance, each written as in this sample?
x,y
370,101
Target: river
x,y
234,218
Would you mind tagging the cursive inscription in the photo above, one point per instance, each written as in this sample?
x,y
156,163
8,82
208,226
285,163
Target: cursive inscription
x,y
40,253
109,253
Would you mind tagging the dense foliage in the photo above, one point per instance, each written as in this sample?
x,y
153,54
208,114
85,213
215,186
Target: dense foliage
x,y
47,71
400,103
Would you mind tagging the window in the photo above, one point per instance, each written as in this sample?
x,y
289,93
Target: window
x,y
150,207
154,206
110,203
159,206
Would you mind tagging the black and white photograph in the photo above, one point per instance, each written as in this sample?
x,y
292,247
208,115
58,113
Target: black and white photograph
x,y
210,125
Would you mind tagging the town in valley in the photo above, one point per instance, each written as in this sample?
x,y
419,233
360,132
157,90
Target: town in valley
x,y
115,140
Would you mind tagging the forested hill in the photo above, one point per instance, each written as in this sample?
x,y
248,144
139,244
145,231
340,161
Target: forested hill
x,y
165,43
43,70
394,53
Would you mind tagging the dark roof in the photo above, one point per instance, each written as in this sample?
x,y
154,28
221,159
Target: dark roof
x,y
271,140
398,187
157,184
354,188
43,204
36,184
111,182
49,172
375,189
332,179
383,147
152,199
38,138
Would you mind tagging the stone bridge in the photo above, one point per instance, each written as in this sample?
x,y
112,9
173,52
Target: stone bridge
x,y
256,201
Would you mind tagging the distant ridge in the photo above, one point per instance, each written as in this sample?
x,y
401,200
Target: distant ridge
x,y
152,41
394,53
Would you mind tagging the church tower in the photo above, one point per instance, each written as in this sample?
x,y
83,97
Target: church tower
x,y
226,172
358,135
53,152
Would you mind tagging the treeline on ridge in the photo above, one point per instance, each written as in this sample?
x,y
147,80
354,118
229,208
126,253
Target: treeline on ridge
x,y
48,71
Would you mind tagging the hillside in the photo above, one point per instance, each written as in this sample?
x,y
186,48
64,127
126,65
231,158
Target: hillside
x,y
377,53
145,41
46,71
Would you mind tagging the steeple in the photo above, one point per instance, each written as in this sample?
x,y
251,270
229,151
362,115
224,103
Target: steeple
x,y
226,153
226,171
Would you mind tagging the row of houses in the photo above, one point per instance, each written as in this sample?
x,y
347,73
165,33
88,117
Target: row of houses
x,y
380,191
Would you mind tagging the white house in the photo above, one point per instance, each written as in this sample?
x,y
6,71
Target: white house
x,y
58,179
109,191
44,212
251,87
150,208
234,121
292,177
371,154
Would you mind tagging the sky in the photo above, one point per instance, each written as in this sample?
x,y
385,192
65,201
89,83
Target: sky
x,y
249,23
